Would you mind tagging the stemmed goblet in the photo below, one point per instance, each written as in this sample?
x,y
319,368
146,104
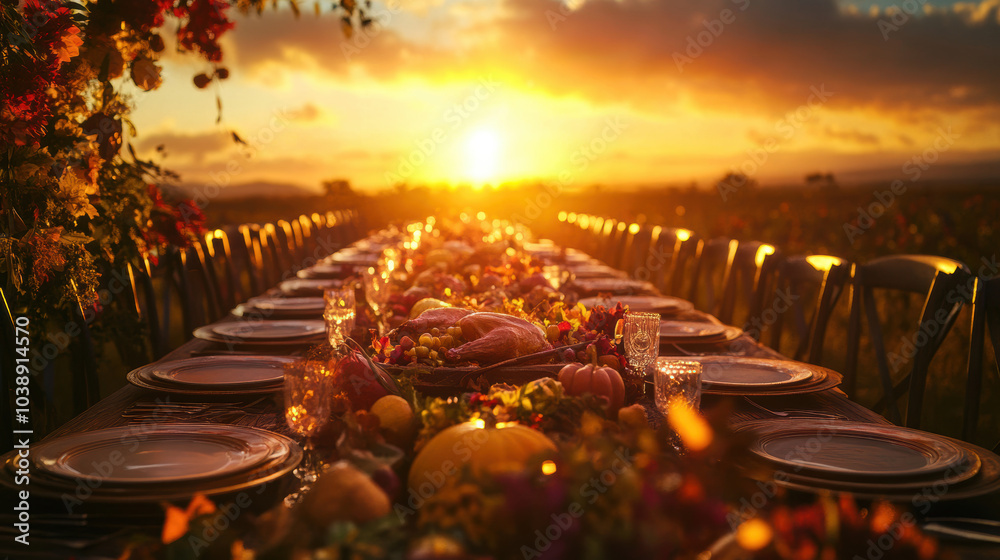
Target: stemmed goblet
x,y
308,389
340,314
376,282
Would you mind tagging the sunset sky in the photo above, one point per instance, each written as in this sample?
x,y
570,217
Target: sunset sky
x,y
628,92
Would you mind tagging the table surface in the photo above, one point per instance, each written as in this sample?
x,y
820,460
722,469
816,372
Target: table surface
x,y
108,412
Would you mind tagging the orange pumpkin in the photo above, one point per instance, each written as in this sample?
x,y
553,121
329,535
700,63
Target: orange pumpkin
x,y
505,447
600,381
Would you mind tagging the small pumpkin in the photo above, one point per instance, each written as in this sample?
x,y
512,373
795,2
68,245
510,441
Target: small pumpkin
x,y
598,380
486,450
343,493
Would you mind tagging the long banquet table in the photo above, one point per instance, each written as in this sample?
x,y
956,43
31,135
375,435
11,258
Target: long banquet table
x,y
268,414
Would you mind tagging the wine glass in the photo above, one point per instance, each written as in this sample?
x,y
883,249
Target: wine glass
x,y
340,313
642,340
376,282
308,389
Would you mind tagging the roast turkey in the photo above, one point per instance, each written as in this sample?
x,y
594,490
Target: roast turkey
x,y
495,337
439,318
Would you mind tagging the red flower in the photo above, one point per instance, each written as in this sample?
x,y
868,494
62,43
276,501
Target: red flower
x,y
206,24
175,225
143,15
25,79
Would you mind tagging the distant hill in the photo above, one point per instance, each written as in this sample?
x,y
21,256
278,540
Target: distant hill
x,y
256,189
939,172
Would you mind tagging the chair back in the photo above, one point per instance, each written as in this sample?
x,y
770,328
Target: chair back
x,y
752,271
713,263
825,277
985,317
935,278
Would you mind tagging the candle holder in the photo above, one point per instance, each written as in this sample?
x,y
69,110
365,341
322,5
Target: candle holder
x,y
677,379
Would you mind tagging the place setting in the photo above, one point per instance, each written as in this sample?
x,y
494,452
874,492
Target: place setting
x,y
214,375
750,376
678,333
594,271
611,286
277,333
326,271
869,460
307,287
144,464
664,305
268,307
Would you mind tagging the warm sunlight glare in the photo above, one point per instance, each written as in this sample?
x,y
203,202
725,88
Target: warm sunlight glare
x,y
483,155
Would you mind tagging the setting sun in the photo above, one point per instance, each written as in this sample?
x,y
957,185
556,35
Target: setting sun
x,y
482,150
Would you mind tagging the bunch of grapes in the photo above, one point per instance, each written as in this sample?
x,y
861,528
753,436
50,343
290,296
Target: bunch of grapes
x,y
431,346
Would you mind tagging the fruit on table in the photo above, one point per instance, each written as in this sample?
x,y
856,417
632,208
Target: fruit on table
x,y
343,493
495,337
425,305
601,381
395,417
633,417
483,450
355,379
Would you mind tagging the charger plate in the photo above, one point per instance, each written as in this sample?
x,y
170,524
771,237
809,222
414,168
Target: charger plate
x,y
307,286
220,371
285,457
284,332
655,304
163,454
213,376
976,474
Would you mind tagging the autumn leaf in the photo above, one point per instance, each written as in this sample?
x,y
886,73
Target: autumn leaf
x,y
146,74
178,520
73,190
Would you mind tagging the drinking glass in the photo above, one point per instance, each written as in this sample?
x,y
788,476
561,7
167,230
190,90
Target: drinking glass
x,y
340,314
642,340
677,379
376,283
555,275
308,389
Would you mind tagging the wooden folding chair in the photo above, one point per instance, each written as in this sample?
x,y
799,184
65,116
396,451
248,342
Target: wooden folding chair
x,y
985,316
752,270
713,263
936,278
826,277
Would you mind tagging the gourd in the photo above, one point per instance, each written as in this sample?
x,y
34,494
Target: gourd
x,y
602,381
484,450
